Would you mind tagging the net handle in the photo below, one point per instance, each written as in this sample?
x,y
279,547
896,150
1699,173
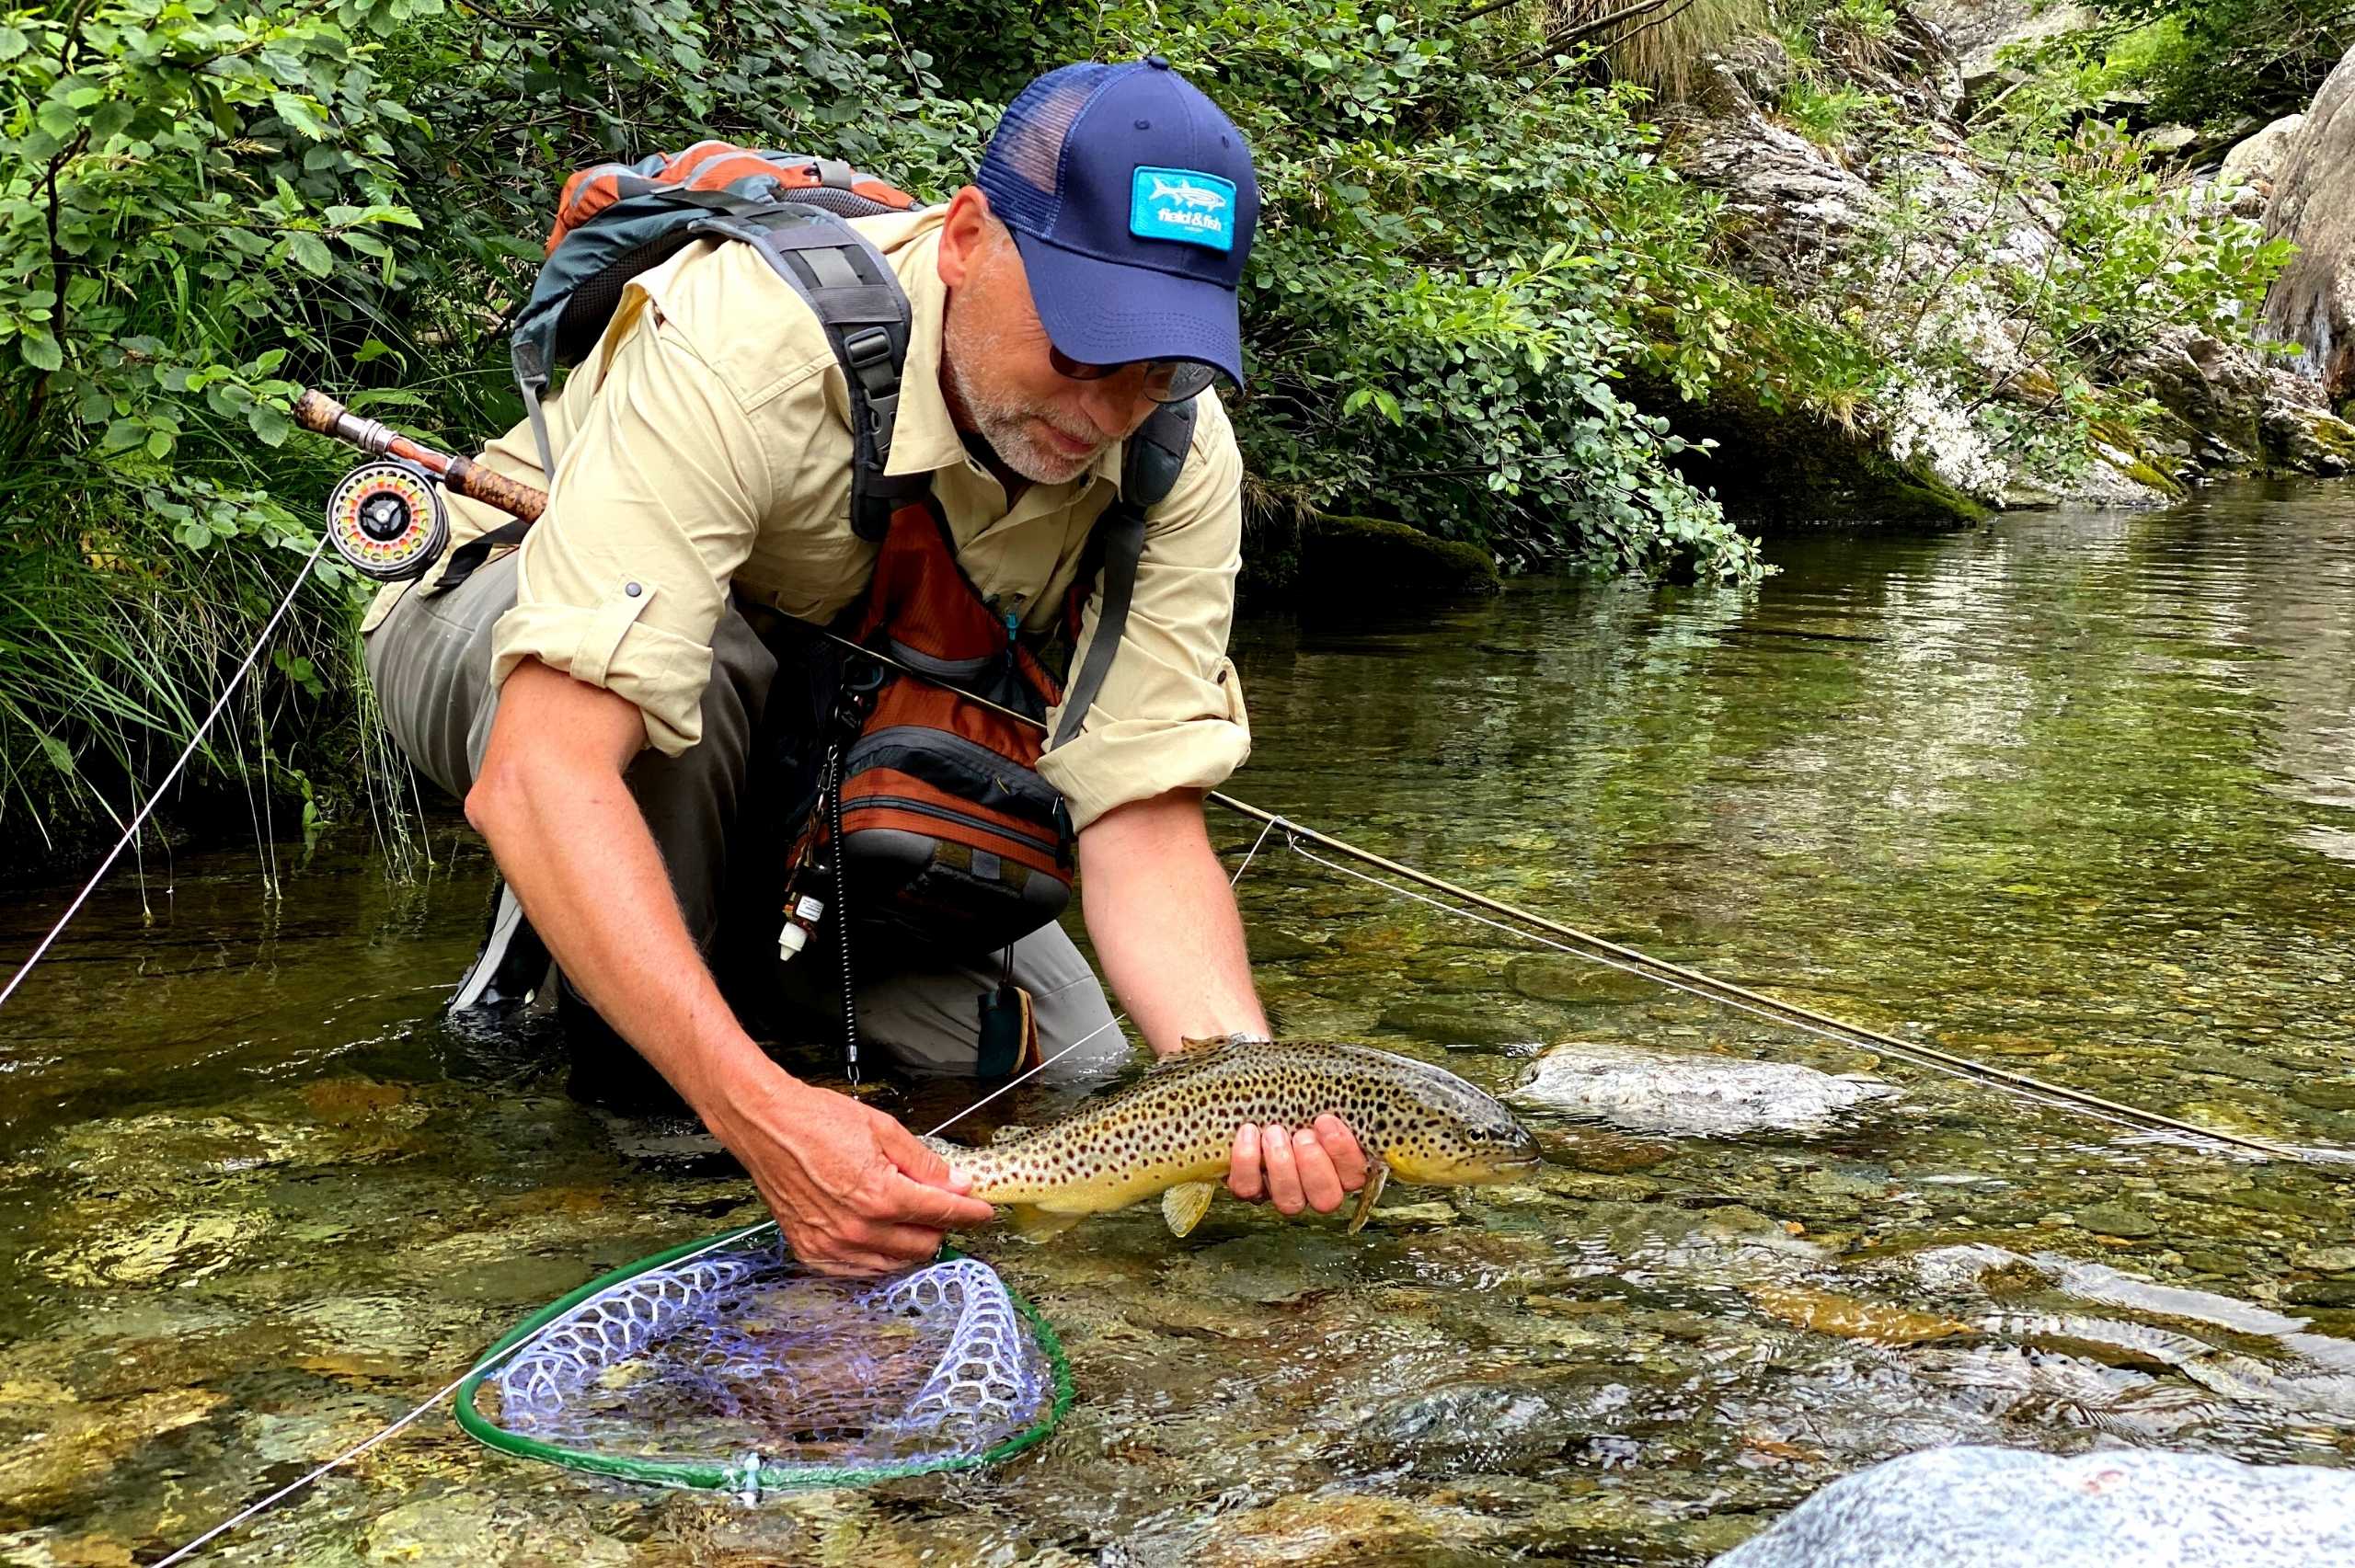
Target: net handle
x,y
734,1478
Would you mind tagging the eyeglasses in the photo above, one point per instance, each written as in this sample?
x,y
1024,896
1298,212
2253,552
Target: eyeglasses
x,y
1165,381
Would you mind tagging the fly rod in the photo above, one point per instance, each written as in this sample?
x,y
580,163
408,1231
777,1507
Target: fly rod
x,y
419,519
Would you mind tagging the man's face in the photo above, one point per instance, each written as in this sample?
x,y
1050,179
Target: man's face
x,y
996,373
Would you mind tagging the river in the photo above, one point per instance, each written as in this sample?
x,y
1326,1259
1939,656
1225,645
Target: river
x,y
2073,793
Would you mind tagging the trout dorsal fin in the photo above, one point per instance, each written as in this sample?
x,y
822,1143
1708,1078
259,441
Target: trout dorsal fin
x,y
1193,1048
1197,1045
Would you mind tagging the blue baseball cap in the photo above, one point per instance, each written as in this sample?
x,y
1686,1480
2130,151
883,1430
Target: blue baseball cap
x,y
1132,199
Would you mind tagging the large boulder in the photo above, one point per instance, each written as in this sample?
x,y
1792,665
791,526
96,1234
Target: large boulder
x,y
1977,31
1788,202
2256,163
2313,302
1973,1508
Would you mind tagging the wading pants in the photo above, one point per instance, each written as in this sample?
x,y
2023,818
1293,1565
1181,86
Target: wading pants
x,y
430,661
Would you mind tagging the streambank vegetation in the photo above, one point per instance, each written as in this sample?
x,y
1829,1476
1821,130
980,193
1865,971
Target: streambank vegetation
x,y
1498,298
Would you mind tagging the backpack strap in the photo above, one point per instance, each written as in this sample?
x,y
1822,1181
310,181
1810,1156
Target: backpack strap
x,y
846,283
1150,463
857,297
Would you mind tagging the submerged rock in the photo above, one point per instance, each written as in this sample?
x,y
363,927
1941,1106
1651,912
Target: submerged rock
x,y
1689,1094
1340,1527
1954,1507
1576,981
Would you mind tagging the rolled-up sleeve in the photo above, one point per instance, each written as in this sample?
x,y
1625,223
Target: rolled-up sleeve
x,y
1170,714
657,497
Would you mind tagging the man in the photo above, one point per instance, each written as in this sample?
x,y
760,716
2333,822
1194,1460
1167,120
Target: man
x,y
593,696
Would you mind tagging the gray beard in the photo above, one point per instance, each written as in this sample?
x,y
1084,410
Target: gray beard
x,y
1005,425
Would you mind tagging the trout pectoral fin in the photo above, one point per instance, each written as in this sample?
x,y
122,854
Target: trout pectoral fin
x,y
1034,1224
1377,1176
1184,1205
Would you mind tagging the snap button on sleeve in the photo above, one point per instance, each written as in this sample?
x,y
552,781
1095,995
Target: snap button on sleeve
x,y
602,632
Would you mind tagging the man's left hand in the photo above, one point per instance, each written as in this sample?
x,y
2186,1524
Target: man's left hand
x,y
1296,1168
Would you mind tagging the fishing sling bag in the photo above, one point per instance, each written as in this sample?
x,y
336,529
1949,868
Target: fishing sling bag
x,y
949,835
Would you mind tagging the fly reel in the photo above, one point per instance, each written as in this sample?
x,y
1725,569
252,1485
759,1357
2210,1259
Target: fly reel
x,y
387,520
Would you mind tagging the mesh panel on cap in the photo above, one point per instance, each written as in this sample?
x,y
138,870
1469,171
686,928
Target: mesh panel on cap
x,y
1029,144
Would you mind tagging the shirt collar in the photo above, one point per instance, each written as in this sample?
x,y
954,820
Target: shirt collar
x,y
924,436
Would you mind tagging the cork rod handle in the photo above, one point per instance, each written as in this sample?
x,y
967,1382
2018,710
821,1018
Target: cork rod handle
x,y
316,411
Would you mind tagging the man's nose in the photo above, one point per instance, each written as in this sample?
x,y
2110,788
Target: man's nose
x,y
1117,404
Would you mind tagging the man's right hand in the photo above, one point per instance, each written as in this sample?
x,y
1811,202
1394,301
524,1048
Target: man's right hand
x,y
853,1190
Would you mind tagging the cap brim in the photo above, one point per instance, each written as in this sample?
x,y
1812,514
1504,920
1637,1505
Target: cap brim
x,y
1101,313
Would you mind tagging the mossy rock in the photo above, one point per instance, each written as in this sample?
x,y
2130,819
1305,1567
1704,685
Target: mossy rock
x,y
1788,468
2124,449
2306,440
1370,555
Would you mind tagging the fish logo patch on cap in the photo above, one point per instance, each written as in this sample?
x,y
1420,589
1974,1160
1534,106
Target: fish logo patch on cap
x,y
1186,205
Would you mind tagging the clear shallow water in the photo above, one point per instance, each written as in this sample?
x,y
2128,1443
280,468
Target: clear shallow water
x,y
2075,794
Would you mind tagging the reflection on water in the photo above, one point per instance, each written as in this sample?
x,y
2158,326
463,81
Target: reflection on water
x,y
2073,795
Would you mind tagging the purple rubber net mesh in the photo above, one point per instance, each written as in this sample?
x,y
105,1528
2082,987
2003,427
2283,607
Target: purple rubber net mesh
x,y
743,1353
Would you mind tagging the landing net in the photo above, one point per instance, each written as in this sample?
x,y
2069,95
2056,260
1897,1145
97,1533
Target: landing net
x,y
740,1370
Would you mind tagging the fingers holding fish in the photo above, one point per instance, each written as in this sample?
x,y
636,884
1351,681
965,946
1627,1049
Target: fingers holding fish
x,y
1340,1145
1242,1172
1283,1169
1296,1168
1331,1165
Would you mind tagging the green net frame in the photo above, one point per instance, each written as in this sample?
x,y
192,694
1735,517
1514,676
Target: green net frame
x,y
749,1478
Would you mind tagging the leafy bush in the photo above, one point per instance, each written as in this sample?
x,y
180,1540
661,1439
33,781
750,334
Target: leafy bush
x,y
192,191
2219,62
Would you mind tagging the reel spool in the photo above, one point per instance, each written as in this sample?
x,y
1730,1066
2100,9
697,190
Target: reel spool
x,y
386,519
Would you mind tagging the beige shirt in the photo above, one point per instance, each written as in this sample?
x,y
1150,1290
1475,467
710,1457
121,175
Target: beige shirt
x,y
705,446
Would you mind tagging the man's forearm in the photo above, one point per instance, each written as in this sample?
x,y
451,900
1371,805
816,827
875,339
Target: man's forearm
x,y
574,846
1164,922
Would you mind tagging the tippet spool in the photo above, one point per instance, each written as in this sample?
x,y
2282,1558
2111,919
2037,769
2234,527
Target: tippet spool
x,y
387,519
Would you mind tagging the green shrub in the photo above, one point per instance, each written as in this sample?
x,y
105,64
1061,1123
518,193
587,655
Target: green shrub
x,y
208,202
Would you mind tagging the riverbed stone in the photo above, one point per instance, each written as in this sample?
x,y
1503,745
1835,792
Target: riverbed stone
x,y
1267,1268
2325,1094
2117,1220
1338,1526
1444,1023
1688,1094
1576,981
1499,1426
1948,1507
1281,948
2268,1200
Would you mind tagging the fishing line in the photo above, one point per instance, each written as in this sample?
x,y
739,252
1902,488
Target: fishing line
x,y
1693,983
491,1361
155,795
1849,1035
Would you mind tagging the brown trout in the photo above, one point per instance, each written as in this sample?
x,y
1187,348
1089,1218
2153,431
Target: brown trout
x,y
1171,1132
